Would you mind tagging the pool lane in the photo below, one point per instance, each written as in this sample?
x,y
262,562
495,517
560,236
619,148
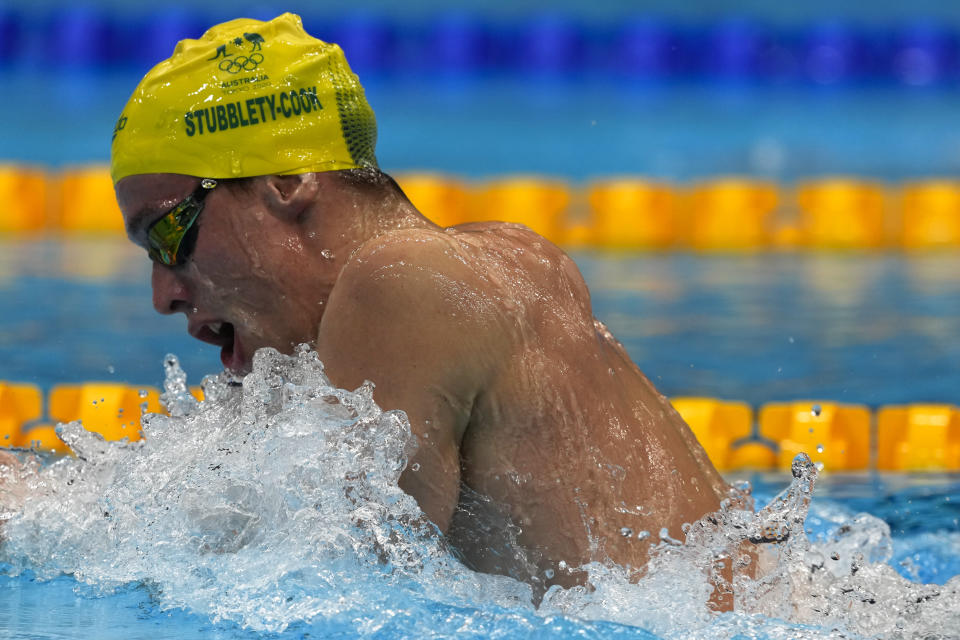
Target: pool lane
x,y
869,328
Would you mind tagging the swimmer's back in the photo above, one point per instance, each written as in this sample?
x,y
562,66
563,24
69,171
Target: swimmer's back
x,y
568,432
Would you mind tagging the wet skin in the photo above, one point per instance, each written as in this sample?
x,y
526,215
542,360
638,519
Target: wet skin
x,y
532,421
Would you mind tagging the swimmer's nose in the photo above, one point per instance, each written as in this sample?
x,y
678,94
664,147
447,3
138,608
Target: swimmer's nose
x,y
169,293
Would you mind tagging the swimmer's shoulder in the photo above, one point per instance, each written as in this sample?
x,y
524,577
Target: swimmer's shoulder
x,y
550,269
483,260
423,269
410,251
407,298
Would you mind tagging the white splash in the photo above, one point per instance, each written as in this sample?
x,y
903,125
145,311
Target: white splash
x,y
265,504
275,502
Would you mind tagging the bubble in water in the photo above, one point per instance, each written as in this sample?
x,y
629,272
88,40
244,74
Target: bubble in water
x,y
142,393
292,484
111,369
815,410
819,448
285,478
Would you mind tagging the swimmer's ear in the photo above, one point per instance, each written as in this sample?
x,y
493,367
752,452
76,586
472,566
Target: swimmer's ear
x,y
290,196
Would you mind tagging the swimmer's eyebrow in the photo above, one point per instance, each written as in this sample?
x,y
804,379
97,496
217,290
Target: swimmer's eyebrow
x,y
138,223
148,214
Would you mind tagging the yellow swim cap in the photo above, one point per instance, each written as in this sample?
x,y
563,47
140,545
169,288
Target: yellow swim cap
x,y
248,98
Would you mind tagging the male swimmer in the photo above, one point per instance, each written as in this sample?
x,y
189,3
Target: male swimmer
x,y
245,166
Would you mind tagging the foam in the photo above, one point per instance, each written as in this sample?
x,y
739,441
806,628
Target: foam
x,y
274,502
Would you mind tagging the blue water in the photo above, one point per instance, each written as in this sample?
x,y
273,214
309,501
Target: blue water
x,y
871,328
581,130
923,514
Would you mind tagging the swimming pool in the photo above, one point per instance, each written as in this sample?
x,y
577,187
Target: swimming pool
x,y
871,328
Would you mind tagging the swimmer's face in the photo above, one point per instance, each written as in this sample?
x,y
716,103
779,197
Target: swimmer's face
x,y
254,277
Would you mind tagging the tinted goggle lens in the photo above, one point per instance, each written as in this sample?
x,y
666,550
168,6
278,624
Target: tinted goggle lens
x,y
165,237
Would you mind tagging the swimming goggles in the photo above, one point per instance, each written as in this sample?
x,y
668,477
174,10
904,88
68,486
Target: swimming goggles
x,y
166,238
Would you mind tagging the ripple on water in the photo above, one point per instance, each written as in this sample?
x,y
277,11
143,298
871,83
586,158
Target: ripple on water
x,y
274,502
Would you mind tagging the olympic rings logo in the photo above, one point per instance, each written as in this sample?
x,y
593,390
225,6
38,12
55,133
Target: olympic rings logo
x,y
241,63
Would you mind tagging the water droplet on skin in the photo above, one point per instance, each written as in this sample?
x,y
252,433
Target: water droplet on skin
x,y
415,466
834,556
643,535
548,573
626,532
142,393
815,410
562,565
327,254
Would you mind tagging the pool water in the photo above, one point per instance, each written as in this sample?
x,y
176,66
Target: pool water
x,y
283,519
868,328
64,608
922,513
871,328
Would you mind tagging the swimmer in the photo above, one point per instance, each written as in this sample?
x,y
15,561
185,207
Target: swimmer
x,y
249,176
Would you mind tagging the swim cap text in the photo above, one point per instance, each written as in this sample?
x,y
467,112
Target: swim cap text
x,y
246,113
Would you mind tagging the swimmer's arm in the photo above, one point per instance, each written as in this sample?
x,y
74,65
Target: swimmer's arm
x,y
413,328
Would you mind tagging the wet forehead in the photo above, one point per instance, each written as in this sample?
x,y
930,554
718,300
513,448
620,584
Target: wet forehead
x,y
143,198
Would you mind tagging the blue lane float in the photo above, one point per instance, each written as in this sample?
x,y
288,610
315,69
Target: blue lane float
x,y
367,39
157,34
547,44
646,48
78,37
457,43
833,52
463,44
733,49
9,35
924,54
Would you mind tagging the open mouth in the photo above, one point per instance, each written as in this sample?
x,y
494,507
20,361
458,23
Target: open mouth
x,y
223,335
